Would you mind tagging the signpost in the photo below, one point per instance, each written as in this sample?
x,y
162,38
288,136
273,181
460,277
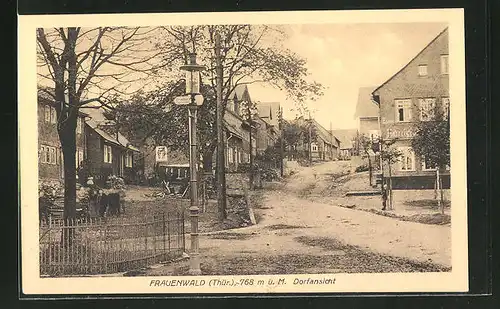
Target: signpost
x,y
193,99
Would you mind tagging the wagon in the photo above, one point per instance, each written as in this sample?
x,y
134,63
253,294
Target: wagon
x,y
175,178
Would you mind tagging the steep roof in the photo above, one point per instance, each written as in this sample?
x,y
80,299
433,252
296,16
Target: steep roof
x,y
345,137
366,107
444,32
324,134
97,121
239,92
268,111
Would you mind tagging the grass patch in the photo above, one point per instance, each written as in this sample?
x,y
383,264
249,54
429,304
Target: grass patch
x,y
284,227
426,203
231,236
369,261
438,219
308,190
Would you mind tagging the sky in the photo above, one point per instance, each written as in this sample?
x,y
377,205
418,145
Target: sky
x,y
345,57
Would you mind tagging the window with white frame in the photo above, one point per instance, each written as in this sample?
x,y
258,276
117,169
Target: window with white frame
x,y
79,125
444,64
427,107
422,70
50,115
46,112
108,154
407,159
314,147
403,110
53,115
446,107
230,155
79,157
128,159
426,165
48,154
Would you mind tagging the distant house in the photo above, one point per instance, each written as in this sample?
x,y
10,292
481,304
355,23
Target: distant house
x,y
268,130
347,140
408,97
50,156
237,130
108,151
324,147
367,116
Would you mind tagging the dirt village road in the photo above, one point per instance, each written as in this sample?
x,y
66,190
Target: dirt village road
x,y
300,235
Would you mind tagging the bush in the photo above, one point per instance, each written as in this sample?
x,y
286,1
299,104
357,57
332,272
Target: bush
x,y
362,168
269,174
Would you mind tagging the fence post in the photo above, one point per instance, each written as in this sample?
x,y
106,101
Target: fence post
x,y
168,231
105,246
50,245
146,240
154,238
163,224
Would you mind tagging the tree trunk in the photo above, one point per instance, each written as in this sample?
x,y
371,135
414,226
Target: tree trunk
x,y
441,191
67,136
438,182
370,169
391,206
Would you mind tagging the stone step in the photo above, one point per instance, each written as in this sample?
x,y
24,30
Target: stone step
x,y
363,193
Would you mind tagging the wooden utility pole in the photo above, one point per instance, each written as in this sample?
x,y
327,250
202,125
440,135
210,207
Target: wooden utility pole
x,y
251,171
221,163
310,137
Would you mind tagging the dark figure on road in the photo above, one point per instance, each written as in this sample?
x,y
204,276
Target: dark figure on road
x,y
384,197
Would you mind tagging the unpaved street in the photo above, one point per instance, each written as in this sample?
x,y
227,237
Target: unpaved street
x,y
295,234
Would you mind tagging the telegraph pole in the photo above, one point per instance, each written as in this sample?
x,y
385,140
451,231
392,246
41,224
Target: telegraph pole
x,y
220,161
251,151
310,137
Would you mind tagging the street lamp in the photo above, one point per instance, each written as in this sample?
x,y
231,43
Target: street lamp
x,y
193,100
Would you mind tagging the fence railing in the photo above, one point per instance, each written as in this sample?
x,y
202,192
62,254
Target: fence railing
x,y
107,245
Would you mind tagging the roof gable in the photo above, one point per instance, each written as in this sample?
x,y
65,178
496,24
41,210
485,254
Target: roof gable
x,y
441,34
366,107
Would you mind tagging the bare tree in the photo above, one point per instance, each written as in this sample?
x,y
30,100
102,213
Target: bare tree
x,y
80,67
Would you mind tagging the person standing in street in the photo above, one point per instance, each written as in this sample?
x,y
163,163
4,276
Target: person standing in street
x,y
384,197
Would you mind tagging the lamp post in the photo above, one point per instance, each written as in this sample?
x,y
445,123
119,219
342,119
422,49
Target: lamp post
x,y
193,100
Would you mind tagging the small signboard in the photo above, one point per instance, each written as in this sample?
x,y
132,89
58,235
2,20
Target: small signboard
x,y
198,99
161,153
183,100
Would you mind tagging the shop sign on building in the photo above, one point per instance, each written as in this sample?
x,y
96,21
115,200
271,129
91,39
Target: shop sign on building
x,y
400,133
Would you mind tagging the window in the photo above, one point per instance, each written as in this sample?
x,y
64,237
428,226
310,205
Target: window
x,y
48,154
314,147
53,116
128,159
426,165
427,107
79,125
78,157
444,64
403,110
46,110
230,155
108,155
407,159
446,107
422,70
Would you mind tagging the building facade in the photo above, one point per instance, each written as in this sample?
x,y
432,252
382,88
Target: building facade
x,y
420,86
50,155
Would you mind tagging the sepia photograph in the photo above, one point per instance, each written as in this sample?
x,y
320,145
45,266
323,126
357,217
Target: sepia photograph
x,y
243,152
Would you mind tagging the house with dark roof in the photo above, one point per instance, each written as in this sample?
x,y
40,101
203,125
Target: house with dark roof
x,y
109,152
50,155
324,145
268,129
347,138
412,95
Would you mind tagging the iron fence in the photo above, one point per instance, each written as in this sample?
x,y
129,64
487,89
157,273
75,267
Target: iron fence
x,y
87,246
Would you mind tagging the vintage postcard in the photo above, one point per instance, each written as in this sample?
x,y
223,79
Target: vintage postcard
x,y
269,152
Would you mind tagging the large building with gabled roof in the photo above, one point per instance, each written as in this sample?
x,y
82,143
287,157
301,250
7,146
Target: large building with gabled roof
x,y
404,100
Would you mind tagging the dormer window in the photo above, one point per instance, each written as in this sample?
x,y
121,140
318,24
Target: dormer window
x,y
422,70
